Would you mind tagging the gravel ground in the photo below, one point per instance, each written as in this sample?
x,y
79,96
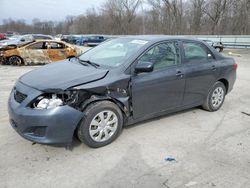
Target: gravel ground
x,y
211,149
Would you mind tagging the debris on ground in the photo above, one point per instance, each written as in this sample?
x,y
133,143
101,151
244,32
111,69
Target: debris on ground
x,y
191,183
169,158
234,54
165,183
245,113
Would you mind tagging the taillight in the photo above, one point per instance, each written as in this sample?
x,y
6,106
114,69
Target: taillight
x,y
235,66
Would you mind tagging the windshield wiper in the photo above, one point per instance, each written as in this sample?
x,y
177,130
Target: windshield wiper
x,y
88,62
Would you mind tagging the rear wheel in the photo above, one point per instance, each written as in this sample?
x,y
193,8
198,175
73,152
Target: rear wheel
x,y
215,97
15,60
102,124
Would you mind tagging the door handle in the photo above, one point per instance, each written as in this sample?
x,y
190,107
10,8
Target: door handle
x,y
179,74
213,68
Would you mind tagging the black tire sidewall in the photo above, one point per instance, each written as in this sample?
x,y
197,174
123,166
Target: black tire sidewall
x,y
10,63
83,129
217,84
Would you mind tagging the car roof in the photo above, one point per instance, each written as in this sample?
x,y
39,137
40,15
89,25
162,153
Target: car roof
x,y
48,40
158,38
44,40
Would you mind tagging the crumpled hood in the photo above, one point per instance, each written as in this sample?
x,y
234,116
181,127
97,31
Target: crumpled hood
x,y
62,75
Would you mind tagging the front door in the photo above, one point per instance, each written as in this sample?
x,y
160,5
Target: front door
x,y
36,53
163,88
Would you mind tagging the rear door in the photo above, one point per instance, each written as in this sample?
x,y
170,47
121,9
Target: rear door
x,y
57,51
201,71
163,88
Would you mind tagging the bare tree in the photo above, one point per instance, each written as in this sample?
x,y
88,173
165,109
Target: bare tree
x,y
121,13
160,17
215,9
197,11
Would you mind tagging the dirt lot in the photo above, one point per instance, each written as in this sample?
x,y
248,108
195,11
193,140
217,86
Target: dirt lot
x,y
211,149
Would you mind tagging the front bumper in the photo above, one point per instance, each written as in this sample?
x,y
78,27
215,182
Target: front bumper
x,y
2,60
52,126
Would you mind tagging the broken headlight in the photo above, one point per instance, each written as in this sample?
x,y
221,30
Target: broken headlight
x,y
52,100
48,102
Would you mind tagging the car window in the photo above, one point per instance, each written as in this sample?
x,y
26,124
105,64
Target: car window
x,y
38,45
41,37
92,38
114,52
55,45
195,52
163,55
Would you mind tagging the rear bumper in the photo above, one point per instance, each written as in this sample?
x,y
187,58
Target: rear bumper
x,y
232,80
52,126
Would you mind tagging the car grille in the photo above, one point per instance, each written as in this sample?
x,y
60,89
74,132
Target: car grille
x,y
19,97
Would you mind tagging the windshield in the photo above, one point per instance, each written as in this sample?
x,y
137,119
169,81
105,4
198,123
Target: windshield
x,y
114,52
26,38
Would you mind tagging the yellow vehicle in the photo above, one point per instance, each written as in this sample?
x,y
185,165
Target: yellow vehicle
x,y
38,52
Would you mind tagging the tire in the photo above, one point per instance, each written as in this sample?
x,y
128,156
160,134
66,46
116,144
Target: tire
x,y
215,97
93,132
15,60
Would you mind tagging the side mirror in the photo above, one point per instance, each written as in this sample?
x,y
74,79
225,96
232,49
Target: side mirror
x,y
209,56
22,40
144,67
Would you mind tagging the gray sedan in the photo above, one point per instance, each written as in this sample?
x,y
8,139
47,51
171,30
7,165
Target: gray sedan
x,y
118,83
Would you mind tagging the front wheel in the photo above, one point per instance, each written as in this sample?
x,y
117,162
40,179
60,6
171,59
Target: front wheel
x,y
215,97
15,60
102,124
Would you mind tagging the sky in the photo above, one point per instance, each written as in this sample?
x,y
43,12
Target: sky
x,y
55,10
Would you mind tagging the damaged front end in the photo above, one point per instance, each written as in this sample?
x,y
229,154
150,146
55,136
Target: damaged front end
x,y
54,98
42,117
79,99
3,49
2,58
117,92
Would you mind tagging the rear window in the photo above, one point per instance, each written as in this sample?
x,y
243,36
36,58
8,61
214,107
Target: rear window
x,y
195,52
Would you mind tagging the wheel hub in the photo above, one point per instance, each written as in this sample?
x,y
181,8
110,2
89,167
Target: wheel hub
x,y
103,126
217,97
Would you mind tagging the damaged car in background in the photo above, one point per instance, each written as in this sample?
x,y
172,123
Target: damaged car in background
x,y
18,40
217,45
118,83
37,52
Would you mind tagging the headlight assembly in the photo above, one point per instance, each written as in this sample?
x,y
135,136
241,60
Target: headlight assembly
x,y
52,100
48,102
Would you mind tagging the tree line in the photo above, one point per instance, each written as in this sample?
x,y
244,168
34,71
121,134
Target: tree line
x,y
128,17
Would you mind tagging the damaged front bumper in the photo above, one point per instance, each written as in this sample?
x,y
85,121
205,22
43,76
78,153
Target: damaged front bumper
x,y
49,126
2,59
